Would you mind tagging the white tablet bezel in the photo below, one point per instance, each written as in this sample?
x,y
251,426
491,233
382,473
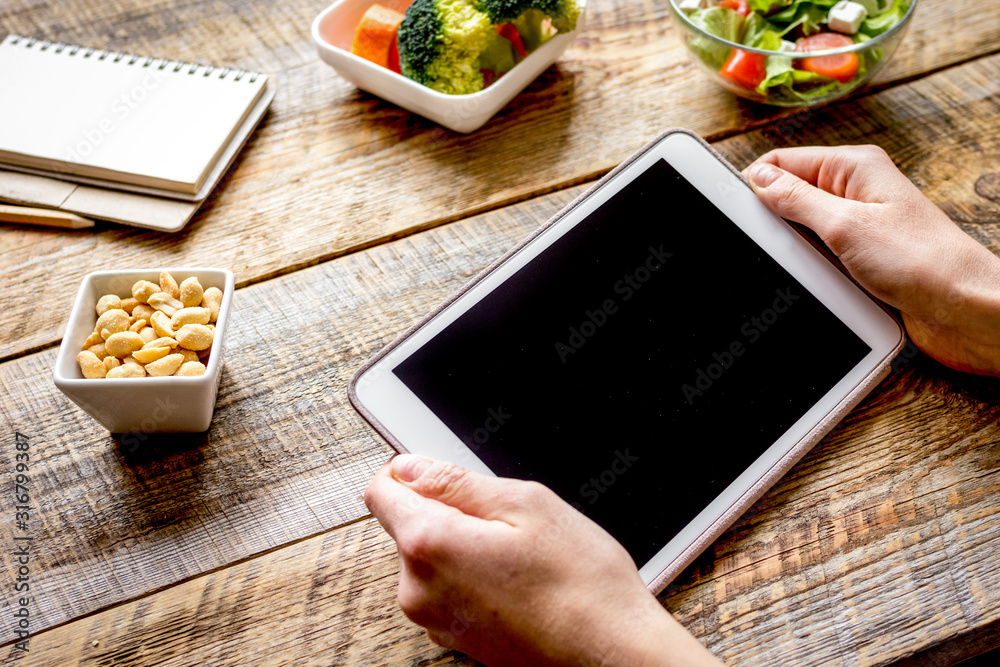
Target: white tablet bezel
x,y
411,426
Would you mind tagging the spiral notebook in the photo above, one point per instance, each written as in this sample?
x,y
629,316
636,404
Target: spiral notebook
x,y
122,121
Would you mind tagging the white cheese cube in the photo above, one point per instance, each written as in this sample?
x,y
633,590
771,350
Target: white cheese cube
x,y
688,6
786,46
846,17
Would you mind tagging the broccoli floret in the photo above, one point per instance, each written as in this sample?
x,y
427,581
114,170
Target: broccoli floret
x,y
441,41
563,13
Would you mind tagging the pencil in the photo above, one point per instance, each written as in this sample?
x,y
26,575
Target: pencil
x,y
43,216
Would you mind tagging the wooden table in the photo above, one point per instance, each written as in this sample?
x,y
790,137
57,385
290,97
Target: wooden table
x,y
346,219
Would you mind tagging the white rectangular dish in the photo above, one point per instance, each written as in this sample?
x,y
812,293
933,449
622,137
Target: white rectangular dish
x,y
333,32
146,404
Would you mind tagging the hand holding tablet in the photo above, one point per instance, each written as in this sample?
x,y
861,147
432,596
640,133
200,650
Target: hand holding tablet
x,y
505,571
895,242
886,233
658,355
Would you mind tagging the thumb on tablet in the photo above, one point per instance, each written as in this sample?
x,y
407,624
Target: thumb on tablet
x,y
470,492
795,199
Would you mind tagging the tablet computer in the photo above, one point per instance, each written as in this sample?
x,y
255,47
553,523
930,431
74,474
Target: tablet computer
x,y
658,354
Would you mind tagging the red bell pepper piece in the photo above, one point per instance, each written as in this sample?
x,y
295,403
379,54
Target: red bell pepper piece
x,y
509,32
745,69
741,7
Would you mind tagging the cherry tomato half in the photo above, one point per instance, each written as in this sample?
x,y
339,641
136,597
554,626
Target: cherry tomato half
x,y
842,67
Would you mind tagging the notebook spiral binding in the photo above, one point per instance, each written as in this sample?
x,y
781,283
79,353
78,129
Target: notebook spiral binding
x,y
133,59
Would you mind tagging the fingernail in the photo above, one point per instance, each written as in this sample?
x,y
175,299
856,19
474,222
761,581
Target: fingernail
x,y
408,467
762,175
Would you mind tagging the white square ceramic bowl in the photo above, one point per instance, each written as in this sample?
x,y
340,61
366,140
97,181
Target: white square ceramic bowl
x,y
149,404
333,31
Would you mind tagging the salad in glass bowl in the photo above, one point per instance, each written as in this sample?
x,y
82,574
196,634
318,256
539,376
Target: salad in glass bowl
x,y
792,52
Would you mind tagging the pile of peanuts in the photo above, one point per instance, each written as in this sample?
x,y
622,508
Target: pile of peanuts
x,y
161,330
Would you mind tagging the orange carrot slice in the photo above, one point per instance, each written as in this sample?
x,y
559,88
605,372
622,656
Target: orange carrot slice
x,y
376,34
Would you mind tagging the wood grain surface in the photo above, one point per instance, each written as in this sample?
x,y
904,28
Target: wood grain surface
x,y
901,495
334,170
346,219
306,604
881,543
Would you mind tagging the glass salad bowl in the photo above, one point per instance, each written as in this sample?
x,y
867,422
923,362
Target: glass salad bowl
x,y
783,52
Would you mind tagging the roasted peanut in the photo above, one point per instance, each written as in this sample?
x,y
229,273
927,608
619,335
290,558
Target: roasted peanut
x,y
108,302
191,292
129,304
165,366
165,341
189,368
161,325
143,312
148,355
111,322
190,316
160,330
127,371
90,365
213,301
144,289
194,337
165,303
123,344
169,285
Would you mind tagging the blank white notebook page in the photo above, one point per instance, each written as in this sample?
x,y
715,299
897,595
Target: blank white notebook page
x,y
125,118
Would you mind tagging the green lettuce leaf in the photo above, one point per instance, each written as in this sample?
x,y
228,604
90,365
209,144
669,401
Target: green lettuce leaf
x,y
876,25
806,15
765,7
781,73
721,22
760,33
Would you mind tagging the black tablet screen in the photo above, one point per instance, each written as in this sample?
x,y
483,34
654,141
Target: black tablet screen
x,y
637,366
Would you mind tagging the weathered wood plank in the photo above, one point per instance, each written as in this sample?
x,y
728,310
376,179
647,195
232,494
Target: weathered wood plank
x,y
881,543
286,457
306,604
886,540
334,170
